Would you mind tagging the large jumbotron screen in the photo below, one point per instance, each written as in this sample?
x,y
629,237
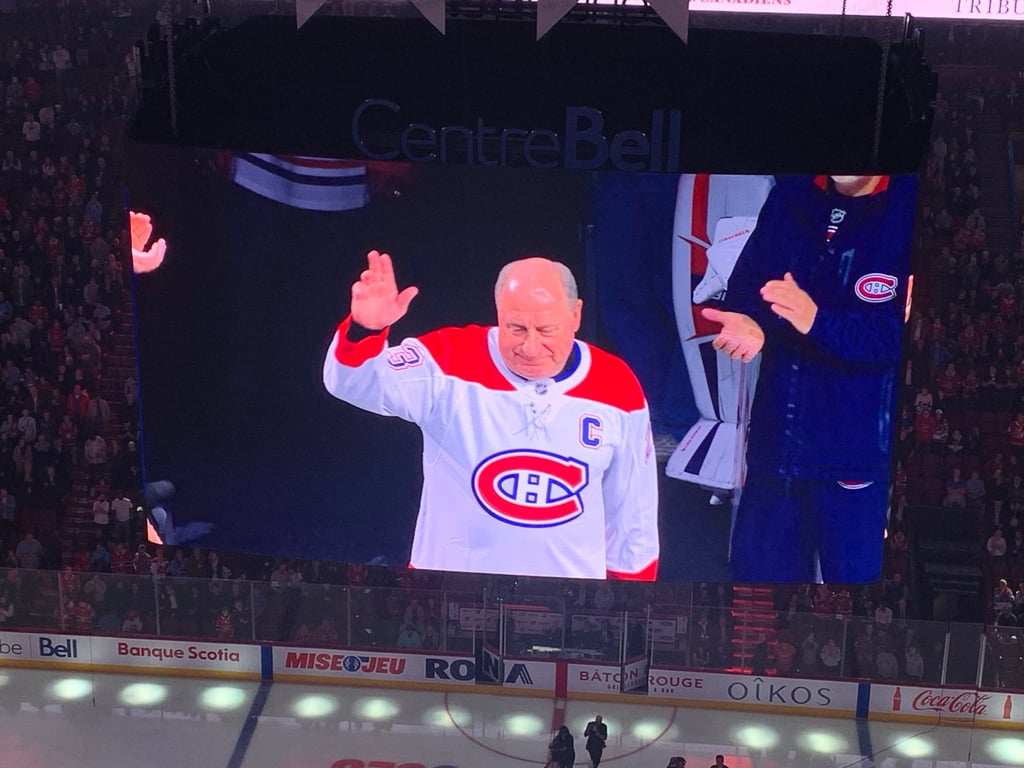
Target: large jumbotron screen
x,y
432,443
498,312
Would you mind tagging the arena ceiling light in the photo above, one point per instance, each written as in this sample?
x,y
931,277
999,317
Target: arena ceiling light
x,y
376,708
756,736
143,694
1006,749
315,705
524,724
222,698
650,730
913,746
71,688
447,718
823,742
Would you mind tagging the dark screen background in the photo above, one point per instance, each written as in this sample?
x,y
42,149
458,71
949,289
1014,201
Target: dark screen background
x,y
234,327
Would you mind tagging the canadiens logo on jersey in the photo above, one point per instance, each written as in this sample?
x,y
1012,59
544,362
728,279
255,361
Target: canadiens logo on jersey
x,y
531,488
876,288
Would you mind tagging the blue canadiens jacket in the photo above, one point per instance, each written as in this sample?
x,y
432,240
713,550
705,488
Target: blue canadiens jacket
x,y
824,401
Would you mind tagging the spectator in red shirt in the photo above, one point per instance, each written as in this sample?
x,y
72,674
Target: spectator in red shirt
x,y
1016,433
85,616
77,405
121,559
924,430
223,626
822,599
949,386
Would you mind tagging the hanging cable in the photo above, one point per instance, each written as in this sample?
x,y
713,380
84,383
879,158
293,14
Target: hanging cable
x,y
167,30
880,104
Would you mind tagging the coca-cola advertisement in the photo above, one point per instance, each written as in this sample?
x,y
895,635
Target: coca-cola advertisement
x,y
970,703
936,703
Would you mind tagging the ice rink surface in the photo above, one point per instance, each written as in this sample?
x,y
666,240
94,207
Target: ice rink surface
x,y
52,719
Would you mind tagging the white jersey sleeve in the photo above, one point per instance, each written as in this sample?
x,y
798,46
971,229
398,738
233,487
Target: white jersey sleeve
x,y
400,381
631,501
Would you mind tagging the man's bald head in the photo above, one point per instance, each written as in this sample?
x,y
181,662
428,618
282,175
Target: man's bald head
x,y
529,272
539,313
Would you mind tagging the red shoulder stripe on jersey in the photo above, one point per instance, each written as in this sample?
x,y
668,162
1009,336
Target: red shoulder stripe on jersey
x,y
609,381
463,354
650,573
355,353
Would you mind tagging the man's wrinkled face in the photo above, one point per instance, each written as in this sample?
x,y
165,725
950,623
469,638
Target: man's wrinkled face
x,y
537,325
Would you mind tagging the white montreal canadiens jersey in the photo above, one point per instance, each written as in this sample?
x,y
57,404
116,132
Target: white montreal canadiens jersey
x,y
553,477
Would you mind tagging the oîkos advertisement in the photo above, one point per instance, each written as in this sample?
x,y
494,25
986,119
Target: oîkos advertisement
x,y
756,692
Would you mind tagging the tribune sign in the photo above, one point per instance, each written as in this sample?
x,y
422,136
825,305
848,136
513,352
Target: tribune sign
x,y
964,10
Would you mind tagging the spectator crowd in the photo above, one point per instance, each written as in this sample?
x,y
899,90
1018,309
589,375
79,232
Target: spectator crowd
x,y
73,533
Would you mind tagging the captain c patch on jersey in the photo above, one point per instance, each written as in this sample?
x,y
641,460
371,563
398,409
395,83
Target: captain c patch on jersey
x,y
535,489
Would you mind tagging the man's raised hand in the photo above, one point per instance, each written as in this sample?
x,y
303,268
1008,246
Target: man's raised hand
x,y
741,338
376,300
791,302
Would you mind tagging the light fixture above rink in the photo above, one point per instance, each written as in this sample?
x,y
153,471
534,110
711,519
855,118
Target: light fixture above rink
x,y
823,742
376,708
1006,749
143,694
524,724
314,705
71,688
913,746
757,736
222,698
448,717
